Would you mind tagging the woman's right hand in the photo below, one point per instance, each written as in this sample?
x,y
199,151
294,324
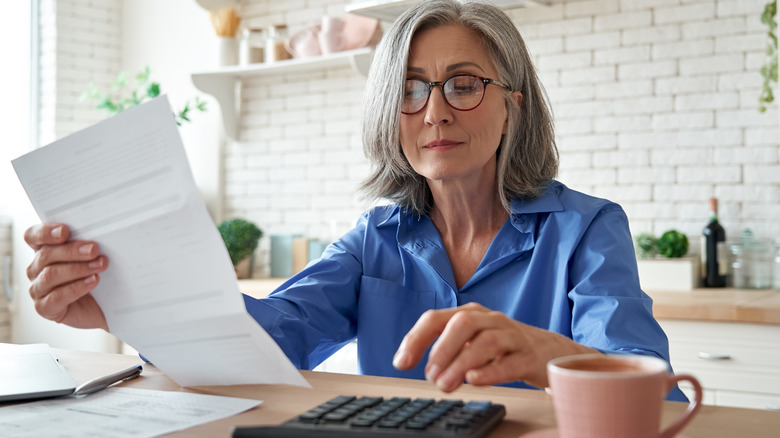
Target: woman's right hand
x,y
63,275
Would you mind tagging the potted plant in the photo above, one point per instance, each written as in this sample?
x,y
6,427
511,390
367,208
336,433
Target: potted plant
x,y
662,263
241,238
144,89
673,244
646,245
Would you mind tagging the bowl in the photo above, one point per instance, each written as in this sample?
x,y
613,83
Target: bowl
x,y
360,31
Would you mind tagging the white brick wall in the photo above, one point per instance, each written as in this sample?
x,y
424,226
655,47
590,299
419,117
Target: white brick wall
x,y
80,43
655,104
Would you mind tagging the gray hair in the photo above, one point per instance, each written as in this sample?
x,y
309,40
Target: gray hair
x,y
527,155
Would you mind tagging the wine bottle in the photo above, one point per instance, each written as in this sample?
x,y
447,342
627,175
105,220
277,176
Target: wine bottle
x,y
713,250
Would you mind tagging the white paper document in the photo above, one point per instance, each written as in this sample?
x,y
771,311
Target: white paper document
x,y
117,413
170,290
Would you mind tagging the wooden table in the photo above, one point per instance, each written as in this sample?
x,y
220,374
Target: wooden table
x,y
527,410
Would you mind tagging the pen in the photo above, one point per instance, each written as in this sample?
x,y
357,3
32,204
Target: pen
x,y
104,382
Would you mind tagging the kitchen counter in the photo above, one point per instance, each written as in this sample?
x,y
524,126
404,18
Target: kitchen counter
x,y
259,287
716,305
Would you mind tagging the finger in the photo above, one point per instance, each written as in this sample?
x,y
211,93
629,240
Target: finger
x,y
527,359
471,339
46,234
507,368
427,328
57,275
75,251
460,329
486,349
56,304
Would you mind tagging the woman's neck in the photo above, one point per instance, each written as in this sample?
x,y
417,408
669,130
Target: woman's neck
x,y
463,211
467,222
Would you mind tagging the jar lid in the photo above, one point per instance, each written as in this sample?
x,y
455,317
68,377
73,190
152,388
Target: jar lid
x,y
253,31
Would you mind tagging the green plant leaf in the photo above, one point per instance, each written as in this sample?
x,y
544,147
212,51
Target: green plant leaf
x,y
673,244
241,238
646,245
107,104
120,81
144,75
769,69
115,103
153,90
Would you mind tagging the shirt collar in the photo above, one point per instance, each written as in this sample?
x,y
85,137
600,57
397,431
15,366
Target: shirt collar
x,y
548,202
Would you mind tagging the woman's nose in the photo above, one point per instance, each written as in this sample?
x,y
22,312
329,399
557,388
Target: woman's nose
x,y
437,111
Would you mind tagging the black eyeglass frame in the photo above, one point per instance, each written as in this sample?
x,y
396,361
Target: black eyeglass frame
x,y
430,85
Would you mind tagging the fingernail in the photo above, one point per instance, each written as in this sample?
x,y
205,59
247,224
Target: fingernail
x,y
86,249
90,279
444,383
399,361
98,263
432,373
56,232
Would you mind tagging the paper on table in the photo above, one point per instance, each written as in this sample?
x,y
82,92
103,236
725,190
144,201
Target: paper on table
x,y
118,413
170,290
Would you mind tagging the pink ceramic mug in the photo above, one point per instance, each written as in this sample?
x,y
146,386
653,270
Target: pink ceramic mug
x,y
614,396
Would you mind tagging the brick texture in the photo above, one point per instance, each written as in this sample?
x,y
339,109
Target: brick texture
x,y
655,104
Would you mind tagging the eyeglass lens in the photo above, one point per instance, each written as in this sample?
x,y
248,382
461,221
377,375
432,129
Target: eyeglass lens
x,y
462,92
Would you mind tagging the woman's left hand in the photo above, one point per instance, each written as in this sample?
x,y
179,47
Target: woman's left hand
x,y
482,347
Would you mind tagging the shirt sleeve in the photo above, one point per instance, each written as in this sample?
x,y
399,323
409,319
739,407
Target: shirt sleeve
x,y
610,312
313,314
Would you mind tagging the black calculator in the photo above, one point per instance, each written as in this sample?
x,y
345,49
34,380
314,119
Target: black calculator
x,y
376,417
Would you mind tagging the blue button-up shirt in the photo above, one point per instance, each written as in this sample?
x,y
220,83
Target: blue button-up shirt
x,y
563,262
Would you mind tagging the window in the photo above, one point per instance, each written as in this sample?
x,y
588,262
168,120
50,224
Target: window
x,y
16,36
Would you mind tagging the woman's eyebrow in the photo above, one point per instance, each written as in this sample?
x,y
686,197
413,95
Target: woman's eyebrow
x,y
464,64
449,68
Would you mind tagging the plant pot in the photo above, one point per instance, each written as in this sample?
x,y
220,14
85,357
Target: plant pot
x,y
244,267
657,274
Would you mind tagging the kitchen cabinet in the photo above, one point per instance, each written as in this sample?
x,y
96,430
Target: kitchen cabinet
x,y
729,339
738,364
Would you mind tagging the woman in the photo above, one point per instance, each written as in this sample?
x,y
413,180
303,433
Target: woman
x,y
482,256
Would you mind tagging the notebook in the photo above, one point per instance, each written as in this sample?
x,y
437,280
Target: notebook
x,y
31,371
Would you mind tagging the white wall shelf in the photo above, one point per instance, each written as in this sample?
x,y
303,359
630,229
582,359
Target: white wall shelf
x,y
387,10
224,83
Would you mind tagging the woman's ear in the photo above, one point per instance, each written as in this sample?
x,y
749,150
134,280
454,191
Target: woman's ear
x,y
517,97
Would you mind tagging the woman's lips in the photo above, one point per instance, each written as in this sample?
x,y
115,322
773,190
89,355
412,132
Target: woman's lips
x,y
441,144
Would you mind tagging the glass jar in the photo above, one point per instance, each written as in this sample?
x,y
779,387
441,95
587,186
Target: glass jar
x,y
751,262
252,47
737,275
274,47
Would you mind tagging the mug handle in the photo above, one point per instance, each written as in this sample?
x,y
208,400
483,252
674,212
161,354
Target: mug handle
x,y
693,407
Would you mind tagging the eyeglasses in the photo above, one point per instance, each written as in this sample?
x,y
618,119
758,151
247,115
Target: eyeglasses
x,y
462,92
